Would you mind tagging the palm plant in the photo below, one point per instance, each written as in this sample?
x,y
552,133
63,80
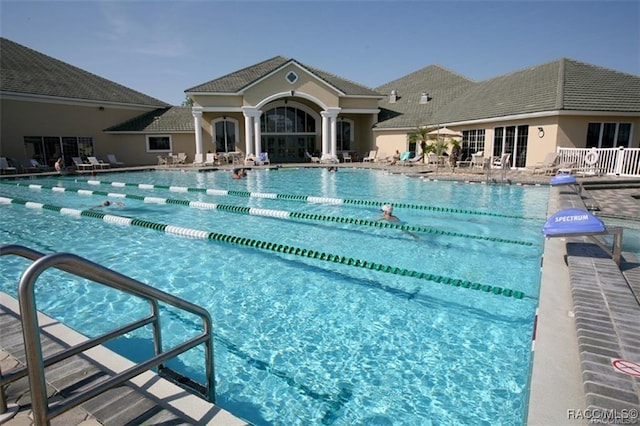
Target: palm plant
x,y
421,135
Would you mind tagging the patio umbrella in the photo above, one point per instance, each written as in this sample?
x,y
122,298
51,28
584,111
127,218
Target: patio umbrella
x,y
444,131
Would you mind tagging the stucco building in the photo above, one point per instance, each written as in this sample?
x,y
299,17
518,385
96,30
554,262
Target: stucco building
x,y
286,108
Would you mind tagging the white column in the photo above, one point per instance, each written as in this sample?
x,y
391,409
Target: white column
x,y
256,132
332,141
197,124
248,133
325,132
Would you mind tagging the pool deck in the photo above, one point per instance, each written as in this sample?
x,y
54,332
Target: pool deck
x,y
588,316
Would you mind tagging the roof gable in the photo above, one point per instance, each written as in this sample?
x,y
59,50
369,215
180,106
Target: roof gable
x,y
25,71
240,80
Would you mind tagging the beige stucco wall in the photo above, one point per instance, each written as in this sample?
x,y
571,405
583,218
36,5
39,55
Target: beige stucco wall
x,y
23,118
573,133
277,83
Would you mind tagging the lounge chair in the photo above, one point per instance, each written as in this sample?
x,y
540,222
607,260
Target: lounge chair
x,y
250,160
547,164
97,164
371,157
27,166
263,158
311,158
113,161
181,158
5,167
41,167
81,165
211,159
198,160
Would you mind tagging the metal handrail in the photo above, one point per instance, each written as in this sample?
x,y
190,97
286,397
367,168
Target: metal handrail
x,y
92,271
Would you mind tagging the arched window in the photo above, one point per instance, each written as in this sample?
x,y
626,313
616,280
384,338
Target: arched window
x,y
225,134
287,119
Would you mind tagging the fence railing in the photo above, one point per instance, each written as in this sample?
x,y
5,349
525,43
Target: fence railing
x,y
607,161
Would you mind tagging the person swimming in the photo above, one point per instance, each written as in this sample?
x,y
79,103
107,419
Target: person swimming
x,y
107,203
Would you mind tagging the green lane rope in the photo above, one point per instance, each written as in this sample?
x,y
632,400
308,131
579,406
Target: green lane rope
x,y
270,246
282,214
300,198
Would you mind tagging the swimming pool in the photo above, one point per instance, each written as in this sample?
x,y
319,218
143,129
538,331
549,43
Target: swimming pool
x,y
307,340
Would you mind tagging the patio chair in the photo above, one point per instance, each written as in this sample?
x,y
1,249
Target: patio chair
x,y
113,161
250,160
547,164
502,162
97,164
181,158
432,158
371,157
346,157
311,158
477,160
5,167
81,165
162,161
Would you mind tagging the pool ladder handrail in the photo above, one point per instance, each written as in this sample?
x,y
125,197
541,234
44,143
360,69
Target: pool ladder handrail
x,y
87,269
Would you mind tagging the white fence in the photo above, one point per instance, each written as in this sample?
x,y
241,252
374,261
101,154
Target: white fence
x,y
607,161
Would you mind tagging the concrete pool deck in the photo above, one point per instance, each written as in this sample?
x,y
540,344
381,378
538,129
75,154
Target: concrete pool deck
x,y
587,315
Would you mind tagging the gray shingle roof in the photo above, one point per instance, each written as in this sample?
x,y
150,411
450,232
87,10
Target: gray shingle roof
x,y
563,84
442,85
239,80
25,71
163,120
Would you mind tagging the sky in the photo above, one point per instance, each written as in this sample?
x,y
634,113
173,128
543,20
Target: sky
x,y
162,48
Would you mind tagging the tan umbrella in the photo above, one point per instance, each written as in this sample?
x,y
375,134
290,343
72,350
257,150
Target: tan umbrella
x,y
443,131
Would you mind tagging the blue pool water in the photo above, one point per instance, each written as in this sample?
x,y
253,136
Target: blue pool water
x,y
301,340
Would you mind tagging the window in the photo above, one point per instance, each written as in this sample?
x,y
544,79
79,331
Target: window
x,y
344,134
225,135
287,119
511,140
472,142
159,143
47,149
608,135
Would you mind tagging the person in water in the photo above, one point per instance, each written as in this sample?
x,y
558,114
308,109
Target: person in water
x,y
107,203
387,214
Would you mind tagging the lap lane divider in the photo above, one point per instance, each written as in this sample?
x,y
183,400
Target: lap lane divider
x,y
300,198
269,246
281,214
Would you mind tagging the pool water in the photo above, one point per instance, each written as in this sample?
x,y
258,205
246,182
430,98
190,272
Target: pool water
x,y
301,340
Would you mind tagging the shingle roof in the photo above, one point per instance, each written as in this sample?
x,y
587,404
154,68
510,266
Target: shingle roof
x,y
239,80
563,84
442,85
163,120
25,71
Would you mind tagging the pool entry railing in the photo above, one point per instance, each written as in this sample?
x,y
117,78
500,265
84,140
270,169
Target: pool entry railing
x,y
70,263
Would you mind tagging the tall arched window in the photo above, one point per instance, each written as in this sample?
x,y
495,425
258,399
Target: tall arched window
x,y
225,134
287,119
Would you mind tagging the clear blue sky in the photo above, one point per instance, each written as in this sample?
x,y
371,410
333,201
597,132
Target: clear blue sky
x,y
162,48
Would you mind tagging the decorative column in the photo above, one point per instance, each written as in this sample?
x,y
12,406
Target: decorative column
x,y
256,132
332,116
251,130
325,132
197,124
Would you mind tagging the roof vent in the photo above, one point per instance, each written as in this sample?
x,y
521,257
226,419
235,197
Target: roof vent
x,y
424,98
393,97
